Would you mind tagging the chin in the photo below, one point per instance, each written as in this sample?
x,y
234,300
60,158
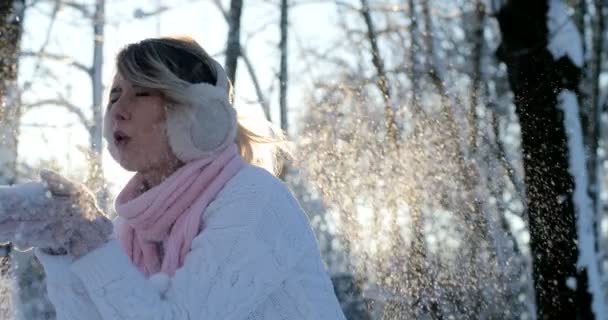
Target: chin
x,y
128,163
128,166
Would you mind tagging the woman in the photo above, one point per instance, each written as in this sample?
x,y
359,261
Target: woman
x,y
201,233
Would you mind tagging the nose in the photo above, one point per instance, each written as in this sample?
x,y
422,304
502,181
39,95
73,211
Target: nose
x,y
119,111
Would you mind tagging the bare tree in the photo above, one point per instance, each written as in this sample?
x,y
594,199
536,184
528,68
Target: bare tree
x,y
544,78
250,69
283,73
414,69
382,81
96,15
233,45
594,123
477,39
96,177
11,28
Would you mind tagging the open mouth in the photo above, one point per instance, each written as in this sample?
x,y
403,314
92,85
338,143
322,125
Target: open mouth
x,y
121,139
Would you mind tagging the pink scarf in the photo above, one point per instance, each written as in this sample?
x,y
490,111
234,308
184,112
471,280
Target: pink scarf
x,y
171,211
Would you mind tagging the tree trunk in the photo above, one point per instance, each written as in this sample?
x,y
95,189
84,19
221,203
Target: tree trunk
x,y
476,75
382,81
283,72
536,78
11,29
283,78
594,132
250,69
233,47
414,67
96,176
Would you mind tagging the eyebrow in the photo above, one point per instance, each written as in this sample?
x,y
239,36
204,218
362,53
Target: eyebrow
x,y
115,90
136,87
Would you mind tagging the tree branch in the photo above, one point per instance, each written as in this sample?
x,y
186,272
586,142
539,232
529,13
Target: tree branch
x,y
45,43
382,82
47,126
256,84
61,102
261,99
78,7
500,150
58,57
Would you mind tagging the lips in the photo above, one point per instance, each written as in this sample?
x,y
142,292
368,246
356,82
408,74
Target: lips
x,y
121,139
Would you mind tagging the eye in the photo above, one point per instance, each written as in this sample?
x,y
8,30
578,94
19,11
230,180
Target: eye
x,y
115,94
142,94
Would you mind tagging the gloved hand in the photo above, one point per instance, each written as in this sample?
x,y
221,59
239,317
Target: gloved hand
x,y
56,214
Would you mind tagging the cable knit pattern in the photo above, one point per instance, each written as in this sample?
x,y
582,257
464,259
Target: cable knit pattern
x,y
255,258
65,290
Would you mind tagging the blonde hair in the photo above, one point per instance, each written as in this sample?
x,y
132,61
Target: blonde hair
x,y
171,64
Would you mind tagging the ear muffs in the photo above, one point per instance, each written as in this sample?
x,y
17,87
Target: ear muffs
x,y
207,125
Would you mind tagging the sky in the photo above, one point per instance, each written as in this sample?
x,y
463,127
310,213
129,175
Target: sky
x,y
62,138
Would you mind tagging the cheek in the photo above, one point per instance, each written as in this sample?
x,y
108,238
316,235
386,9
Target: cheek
x,y
156,111
153,123
149,117
151,132
155,150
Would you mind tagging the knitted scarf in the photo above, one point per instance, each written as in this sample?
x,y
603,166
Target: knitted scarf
x,y
171,212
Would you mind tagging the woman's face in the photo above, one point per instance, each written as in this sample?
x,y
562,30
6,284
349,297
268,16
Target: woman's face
x,y
137,130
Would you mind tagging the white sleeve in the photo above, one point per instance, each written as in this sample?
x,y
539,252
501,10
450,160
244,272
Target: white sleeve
x,y
234,265
65,290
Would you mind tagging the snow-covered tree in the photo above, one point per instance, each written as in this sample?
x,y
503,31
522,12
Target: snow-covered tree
x,y
11,28
542,49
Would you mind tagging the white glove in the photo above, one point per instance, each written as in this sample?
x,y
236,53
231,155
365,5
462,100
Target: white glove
x,y
55,214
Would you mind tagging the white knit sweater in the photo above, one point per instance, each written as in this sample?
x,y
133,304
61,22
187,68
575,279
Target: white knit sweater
x,y
255,258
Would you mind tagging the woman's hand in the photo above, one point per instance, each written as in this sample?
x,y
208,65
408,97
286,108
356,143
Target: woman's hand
x,y
60,215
